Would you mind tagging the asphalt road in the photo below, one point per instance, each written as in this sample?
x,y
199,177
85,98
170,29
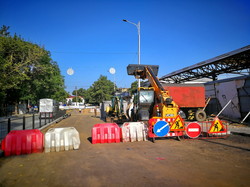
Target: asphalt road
x,y
168,162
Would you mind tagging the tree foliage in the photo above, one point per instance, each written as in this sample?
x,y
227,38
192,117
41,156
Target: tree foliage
x,y
77,99
4,31
134,87
80,92
27,72
99,91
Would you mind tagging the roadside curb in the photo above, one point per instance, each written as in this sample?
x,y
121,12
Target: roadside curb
x,y
55,121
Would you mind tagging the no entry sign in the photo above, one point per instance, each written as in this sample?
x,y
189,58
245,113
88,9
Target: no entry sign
x,y
193,130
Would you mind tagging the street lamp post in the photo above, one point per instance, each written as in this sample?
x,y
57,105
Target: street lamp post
x,y
139,43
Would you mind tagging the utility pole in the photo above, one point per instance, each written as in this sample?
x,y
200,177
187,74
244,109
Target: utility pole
x,y
138,26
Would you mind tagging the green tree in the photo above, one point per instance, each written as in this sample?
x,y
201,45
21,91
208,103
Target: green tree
x,y
86,95
77,99
79,92
134,87
82,92
4,31
27,72
101,90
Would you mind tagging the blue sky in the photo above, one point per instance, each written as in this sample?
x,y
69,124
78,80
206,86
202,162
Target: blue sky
x,y
90,36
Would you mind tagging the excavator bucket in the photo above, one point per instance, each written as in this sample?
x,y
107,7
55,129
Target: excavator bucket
x,y
138,69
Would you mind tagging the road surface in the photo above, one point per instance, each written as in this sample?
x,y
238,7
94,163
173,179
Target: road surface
x,y
168,162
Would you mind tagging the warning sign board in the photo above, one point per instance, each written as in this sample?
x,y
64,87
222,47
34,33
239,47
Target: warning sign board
x,y
217,127
178,124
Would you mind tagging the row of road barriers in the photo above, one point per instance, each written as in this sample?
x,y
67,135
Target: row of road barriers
x,y
19,142
29,141
112,133
158,128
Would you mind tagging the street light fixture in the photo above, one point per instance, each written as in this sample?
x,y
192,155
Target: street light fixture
x,y
139,42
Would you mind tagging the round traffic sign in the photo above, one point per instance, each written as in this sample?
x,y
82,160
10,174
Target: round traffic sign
x,y
193,130
161,128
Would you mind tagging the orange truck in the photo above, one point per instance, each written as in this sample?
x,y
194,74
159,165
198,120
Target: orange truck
x,y
190,98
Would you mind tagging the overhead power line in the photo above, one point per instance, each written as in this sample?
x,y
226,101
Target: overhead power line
x,y
95,53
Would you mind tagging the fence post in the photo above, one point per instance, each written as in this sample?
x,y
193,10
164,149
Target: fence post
x,y
45,118
9,125
33,121
23,122
40,121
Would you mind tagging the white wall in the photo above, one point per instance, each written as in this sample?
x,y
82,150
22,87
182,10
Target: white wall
x,y
225,91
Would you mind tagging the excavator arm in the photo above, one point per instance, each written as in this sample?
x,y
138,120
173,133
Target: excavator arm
x,y
160,92
165,102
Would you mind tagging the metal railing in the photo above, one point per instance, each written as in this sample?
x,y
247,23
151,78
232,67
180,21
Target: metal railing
x,y
30,121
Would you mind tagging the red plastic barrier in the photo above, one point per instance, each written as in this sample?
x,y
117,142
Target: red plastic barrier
x,y
106,133
19,142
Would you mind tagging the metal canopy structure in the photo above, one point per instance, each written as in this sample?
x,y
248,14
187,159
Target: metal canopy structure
x,y
233,62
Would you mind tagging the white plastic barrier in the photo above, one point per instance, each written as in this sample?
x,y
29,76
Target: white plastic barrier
x,y
59,139
134,131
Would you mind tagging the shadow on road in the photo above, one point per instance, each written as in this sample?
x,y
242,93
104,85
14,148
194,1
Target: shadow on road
x,y
89,139
223,144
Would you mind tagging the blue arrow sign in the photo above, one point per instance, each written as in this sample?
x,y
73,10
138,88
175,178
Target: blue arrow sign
x,y
161,128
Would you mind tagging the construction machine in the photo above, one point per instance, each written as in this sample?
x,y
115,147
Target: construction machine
x,y
153,101
115,111
188,98
154,105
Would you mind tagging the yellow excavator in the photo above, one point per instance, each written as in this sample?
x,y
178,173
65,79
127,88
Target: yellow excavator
x,y
152,101
115,112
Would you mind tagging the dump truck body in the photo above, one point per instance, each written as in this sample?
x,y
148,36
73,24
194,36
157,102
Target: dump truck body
x,y
187,95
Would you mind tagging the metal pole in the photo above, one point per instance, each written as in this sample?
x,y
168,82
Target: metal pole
x,y
9,125
139,48
40,121
23,122
245,117
138,26
114,82
224,108
33,121
139,42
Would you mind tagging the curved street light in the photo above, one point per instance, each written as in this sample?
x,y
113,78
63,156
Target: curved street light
x,y
139,42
